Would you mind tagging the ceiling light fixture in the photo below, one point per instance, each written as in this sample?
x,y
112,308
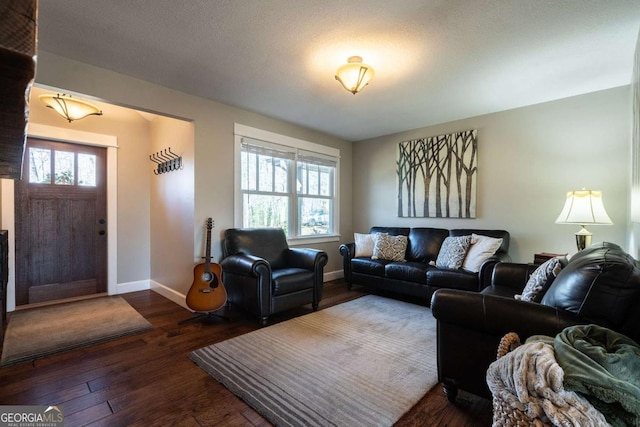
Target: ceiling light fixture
x,y
70,108
354,75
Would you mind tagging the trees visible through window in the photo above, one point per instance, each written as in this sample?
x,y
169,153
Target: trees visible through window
x,y
287,187
68,168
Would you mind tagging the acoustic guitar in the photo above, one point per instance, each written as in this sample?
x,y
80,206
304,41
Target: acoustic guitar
x,y
207,293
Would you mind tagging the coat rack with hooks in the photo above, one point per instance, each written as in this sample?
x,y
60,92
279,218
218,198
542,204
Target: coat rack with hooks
x,y
166,161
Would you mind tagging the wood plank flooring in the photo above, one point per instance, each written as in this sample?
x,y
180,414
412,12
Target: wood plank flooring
x,y
147,379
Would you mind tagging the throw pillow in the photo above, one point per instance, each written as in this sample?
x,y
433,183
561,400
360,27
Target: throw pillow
x,y
392,248
364,244
482,247
453,252
540,280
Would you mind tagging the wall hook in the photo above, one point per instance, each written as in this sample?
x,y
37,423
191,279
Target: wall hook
x,y
166,161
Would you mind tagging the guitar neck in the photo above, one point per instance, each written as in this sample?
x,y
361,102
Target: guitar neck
x,y
207,258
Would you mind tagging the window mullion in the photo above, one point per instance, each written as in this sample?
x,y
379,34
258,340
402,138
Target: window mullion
x,y
292,188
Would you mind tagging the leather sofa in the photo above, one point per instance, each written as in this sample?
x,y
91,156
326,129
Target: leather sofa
x,y
264,276
599,285
418,277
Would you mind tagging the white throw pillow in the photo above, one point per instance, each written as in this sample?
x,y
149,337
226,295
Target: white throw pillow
x,y
482,247
453,252
364,244
392,248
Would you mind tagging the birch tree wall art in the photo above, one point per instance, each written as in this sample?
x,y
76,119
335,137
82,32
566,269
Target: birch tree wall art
x,y
437,176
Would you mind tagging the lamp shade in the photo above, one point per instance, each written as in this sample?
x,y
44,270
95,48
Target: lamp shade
x,y
70,108
584,207
354,75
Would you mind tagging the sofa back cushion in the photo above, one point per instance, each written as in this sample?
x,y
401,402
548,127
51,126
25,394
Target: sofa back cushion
x,y
425,243
267,243
392,231
600,284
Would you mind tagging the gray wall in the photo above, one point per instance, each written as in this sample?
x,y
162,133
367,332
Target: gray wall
x,y
172,208
213,146
134,179
528,159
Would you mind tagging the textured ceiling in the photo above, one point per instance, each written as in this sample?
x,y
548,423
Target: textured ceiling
x,y
435,60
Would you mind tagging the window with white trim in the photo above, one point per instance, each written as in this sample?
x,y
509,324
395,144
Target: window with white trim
x,y
286,183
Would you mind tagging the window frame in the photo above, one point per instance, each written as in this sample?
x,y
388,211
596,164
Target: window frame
x,y
266,137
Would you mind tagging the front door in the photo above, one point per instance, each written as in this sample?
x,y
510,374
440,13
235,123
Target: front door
x,y
61,223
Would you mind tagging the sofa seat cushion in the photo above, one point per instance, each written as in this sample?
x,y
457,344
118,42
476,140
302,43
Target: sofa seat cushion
x,y
452,279
409,271
287,280
373,267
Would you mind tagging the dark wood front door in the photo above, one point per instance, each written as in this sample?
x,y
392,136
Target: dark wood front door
x,y
61,222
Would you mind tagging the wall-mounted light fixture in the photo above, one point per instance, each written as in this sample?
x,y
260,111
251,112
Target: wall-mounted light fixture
x,y
354,75
70,108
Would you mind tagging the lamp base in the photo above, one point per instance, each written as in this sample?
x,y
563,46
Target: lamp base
x,y
583,238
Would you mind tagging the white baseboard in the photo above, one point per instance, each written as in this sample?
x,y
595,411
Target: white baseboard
x,y
178,298
139,285
170,294
333,275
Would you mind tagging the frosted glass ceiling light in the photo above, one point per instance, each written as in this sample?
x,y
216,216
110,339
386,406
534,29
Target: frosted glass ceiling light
x,y
584,207
70,108
354,75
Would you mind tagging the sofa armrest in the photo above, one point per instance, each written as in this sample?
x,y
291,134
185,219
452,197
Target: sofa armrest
x,y
348,251
496,315
470,326
248,265
512,275
307,258
486,269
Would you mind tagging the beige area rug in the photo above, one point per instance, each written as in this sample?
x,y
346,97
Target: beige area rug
x,y
362,363
38,332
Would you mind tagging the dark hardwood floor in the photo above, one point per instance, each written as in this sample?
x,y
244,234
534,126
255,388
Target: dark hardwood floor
x,y
147,379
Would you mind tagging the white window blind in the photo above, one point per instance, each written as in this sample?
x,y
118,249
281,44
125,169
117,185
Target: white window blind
x,y
287,185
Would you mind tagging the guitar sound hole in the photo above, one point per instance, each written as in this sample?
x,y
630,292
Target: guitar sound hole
x,y
206,277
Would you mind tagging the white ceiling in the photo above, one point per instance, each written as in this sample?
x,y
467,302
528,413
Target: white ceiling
x,y
435,60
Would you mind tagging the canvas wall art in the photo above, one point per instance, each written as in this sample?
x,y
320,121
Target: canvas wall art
x,y
437,176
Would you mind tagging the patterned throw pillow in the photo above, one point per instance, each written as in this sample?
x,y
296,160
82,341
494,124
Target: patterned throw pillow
x,y
453,252
392,248
364,244
540,280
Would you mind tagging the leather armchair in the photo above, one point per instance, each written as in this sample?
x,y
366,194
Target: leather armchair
x,y
599,285
263,276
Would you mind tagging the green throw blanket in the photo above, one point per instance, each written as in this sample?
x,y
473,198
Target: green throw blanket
x,y
603,366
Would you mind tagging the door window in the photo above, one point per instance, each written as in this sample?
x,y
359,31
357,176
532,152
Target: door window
x,y
69,168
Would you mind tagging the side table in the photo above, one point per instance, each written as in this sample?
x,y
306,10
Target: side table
x,y
541,257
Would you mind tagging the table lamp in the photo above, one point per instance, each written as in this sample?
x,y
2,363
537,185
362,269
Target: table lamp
x,y
584,207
